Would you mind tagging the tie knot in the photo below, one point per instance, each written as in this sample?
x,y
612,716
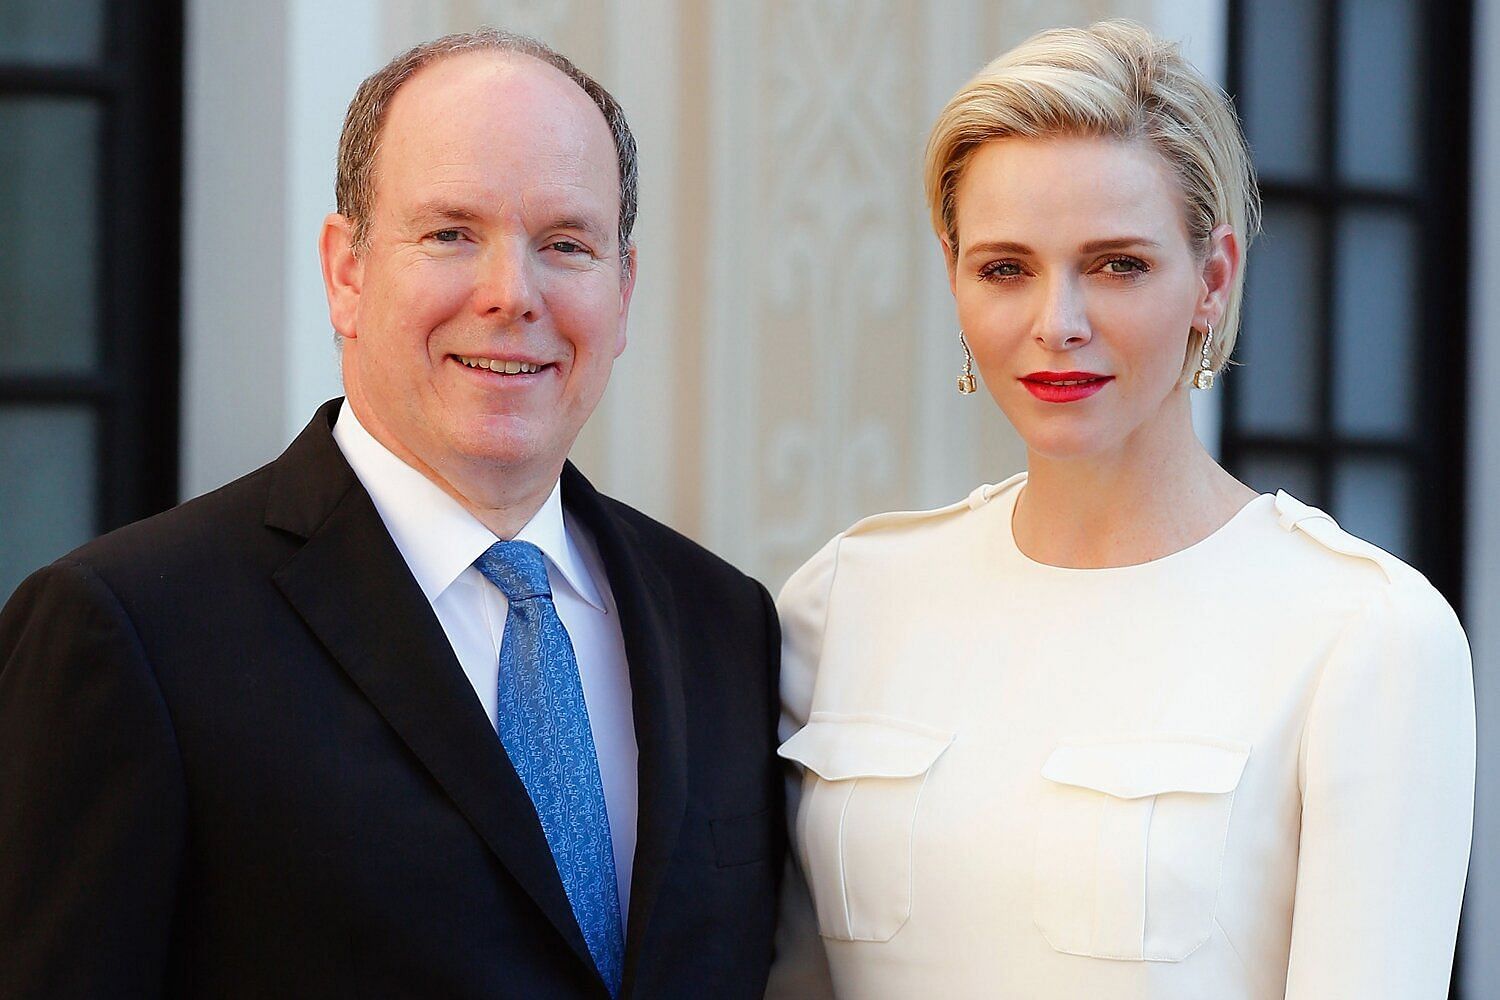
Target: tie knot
x,y
517,568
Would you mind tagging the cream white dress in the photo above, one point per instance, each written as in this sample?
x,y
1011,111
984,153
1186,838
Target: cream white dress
x,y
1245,770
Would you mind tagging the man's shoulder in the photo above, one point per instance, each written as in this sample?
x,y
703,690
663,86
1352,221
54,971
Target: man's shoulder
x,y
672,551
213,530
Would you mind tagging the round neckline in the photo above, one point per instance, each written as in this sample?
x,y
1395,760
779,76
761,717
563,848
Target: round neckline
x,y
1171,558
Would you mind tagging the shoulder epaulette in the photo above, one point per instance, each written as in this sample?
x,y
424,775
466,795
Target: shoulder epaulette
x,y
975,500
1294,515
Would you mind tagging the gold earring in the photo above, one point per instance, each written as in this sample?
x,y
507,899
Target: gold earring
x,y
1203,378
966,377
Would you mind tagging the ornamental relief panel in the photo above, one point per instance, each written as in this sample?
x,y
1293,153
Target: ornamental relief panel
x,y
837,307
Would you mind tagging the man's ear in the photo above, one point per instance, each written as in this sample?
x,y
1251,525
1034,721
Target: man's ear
x,y
629,266
343,273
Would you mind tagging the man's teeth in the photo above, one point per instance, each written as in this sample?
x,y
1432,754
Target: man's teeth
x,y
502,367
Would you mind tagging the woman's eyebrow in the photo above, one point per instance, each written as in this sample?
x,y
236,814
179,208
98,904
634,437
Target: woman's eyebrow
x,y
1000,246
1119,243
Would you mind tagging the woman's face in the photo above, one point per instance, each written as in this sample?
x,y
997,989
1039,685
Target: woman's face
x,y
1077,290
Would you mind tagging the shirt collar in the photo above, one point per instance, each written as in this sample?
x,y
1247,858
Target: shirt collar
x,y
437,537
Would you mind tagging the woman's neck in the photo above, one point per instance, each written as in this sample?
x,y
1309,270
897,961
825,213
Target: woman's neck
x,y
1145,500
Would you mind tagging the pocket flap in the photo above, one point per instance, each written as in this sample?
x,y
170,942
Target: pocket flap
x,y
1134,768
839,747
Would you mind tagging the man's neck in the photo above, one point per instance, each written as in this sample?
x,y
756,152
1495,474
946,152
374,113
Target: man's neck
x,y
503,503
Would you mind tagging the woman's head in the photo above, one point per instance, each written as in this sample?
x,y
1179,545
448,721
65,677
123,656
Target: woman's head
x,y
1113,80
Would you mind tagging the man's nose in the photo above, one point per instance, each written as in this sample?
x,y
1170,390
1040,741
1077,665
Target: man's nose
x,y
1063,324
505,288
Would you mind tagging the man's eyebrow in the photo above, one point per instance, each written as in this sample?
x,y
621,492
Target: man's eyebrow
x,y
444,211
581,223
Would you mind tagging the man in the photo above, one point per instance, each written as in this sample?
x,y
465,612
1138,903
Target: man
x,y
413,710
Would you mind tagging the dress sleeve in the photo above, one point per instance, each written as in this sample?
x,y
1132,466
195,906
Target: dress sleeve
x,y
800,970
803,608
1387,781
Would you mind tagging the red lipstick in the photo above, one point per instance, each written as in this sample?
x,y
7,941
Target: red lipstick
x,y
1064,387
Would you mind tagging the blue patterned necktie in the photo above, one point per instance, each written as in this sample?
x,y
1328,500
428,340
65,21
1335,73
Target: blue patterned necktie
x,y
544,726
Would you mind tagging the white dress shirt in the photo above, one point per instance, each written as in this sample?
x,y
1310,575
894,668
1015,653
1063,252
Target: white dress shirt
x,y
440,541
1244,771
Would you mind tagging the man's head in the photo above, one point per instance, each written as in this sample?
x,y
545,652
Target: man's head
x,y
354,188
486,193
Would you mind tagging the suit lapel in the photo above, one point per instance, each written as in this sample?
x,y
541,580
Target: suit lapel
x,y
351,586
648,622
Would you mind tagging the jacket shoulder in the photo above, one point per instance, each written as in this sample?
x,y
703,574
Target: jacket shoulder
x,y
673,551
215,526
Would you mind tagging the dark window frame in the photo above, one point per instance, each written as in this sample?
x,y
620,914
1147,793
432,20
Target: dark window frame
x,y
135,388
1434,449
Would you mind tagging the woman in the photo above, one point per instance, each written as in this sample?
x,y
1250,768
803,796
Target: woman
x,y
1118,726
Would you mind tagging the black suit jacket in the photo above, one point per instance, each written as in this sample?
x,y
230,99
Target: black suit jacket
x,y
239,758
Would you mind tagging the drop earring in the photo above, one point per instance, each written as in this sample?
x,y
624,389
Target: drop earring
x,y
966,377
1203,378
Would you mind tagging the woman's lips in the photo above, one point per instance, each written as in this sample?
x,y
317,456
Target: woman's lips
x,y
1064,387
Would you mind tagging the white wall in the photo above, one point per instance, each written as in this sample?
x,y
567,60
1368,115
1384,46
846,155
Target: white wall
x,y
265,99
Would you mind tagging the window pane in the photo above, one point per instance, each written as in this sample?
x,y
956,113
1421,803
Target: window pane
x,y
1268,472
51,31
49,208
1372,499
47,491
1281,91
1378,47
1373,343
1278,378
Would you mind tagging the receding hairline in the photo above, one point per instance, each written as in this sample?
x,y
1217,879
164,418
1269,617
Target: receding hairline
x,y
571,88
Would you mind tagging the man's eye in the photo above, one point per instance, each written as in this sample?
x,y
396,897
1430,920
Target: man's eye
x,y
566,246
447,236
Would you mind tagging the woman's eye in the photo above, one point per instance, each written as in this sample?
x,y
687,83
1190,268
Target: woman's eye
x,y
1001,269
1126,265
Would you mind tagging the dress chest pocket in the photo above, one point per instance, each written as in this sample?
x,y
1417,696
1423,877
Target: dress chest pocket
x,y
861,798
1130,842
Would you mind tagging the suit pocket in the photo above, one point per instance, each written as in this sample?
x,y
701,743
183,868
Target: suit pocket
x,y
1130,840
861,798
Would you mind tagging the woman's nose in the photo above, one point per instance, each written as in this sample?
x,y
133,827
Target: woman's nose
x,y
1063,323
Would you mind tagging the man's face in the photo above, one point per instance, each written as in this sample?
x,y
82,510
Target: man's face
x,y
483,319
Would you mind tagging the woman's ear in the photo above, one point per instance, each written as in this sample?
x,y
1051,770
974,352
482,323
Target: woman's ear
x,y
1219,269
950,261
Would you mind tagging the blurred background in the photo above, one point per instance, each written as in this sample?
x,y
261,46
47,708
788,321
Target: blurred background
x,y
165,164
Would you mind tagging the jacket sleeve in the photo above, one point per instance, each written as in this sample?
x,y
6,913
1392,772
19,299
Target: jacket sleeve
x,y
91,796
801,968
1387,781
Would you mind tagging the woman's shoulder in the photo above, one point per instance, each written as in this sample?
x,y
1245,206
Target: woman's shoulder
x,y
893,529
1323,557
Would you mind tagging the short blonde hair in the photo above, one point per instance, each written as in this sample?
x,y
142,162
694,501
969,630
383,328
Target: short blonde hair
x,y
1117,80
